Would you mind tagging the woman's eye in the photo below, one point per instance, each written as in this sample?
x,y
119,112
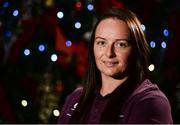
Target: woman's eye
x,y
121,45
100,42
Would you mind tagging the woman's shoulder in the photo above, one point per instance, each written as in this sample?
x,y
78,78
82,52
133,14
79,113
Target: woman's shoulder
x,y
147,97
151,89
75,95
147,91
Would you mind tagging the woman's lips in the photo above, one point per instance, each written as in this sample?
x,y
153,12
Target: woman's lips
x,y
110,63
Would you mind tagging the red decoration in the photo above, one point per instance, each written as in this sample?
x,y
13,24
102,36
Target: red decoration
x,y
78,6
5,108
82,56
102,5
59,87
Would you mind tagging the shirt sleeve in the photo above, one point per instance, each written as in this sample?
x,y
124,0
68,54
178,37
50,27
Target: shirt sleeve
x,y
69,106
151,110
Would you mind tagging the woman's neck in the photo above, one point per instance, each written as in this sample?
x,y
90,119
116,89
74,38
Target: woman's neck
x,y
109,84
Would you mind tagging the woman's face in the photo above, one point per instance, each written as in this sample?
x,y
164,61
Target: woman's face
x,y
111,47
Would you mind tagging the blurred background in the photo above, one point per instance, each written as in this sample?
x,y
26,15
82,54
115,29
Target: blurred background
x,y
43,52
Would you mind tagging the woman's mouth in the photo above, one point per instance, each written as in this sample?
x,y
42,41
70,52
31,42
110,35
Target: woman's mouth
x,y
110,63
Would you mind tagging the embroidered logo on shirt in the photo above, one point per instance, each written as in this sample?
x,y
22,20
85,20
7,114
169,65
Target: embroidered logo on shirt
x,y
72,109
121,116
74,106
68,114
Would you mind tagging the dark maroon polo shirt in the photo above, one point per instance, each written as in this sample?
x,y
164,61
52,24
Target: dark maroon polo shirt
x,y
97,108
146,104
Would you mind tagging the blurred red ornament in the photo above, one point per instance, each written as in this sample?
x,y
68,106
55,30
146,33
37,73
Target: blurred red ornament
x,y
59,88
6,108
117,3
102,5
78,6
82,56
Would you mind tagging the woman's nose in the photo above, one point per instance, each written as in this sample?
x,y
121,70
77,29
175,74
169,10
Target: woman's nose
x,y
110,51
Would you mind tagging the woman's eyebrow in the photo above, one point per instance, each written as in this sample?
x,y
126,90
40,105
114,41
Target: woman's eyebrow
x,y
98,37
122,39
119,39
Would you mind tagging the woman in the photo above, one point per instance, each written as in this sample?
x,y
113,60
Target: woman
x,y
116,87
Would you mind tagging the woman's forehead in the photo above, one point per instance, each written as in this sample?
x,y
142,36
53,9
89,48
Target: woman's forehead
x,y
112,27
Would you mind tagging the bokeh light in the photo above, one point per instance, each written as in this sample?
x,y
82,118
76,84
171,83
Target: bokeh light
x,y
56,112
151,67
6,4
90,7
54,57
152,44
163,45
143,27
68,43
41,48
77,25
8,33
60,14
165,32
27,52
24,103
15,13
